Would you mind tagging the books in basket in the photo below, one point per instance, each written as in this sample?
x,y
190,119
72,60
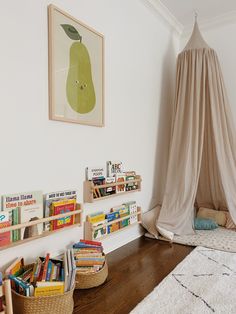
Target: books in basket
x,y
24,207
54,197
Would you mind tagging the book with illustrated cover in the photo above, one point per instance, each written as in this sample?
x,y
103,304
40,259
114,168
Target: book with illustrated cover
x,y
62,207
110,189
96,217
129,176
5,237
29,206
54,197
94,172
99,192
100,232
113,168
120,177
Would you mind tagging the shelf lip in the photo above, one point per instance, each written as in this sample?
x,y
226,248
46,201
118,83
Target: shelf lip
x,y
114,232
97,187
39,221
44,234
116,220
115,194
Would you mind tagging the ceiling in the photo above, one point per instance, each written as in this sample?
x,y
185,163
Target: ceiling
x,y
183,10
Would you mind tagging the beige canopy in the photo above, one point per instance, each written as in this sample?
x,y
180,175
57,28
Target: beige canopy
x,y
202,161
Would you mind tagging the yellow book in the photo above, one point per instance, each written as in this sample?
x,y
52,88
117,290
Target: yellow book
x,y
96,218
49,290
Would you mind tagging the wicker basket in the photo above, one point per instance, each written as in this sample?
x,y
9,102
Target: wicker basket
x,y
54,304
86,281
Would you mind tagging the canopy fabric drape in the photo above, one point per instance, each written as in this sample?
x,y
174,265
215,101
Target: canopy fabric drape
x,y
202,161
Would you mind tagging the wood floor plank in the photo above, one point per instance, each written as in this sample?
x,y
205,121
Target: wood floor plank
x,y
134,271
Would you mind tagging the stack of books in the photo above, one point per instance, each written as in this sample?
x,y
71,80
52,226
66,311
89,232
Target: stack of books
x,y
89,257
47,276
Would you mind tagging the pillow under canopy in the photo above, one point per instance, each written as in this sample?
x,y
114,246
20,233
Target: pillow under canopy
x,y
204,224
218,216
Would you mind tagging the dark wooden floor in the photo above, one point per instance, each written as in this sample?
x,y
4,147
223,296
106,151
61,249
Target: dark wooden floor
x,y
134,270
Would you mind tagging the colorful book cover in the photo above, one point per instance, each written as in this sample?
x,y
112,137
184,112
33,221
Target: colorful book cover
x,y
120,178
16,268
124,222
5,237
49,290
114,167
97,217
30,207
111,189
95,172
101,191
112,216
54,197
113,227
129,176
62,207
100,232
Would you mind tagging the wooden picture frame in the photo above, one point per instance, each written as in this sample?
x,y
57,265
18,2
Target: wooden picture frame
x,y
76,70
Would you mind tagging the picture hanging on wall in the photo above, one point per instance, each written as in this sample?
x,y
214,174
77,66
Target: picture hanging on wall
x,y
76,66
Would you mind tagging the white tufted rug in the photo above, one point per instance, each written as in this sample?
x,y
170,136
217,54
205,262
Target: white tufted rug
x,y
204,282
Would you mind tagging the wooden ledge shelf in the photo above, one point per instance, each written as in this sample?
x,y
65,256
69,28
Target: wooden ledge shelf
x,y
90,187
89,228
77,222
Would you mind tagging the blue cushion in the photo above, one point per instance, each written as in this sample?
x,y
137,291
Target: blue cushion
x,y
204,224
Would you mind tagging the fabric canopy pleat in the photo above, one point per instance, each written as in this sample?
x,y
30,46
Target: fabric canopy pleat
x,y
202,160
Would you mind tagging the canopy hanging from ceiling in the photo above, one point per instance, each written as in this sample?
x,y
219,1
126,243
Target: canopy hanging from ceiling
x,y
202,161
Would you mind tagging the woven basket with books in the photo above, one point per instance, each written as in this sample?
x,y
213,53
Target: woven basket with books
x,y
91,265
56,304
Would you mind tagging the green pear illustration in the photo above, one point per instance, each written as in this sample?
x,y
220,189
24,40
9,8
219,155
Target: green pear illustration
x,y
79,85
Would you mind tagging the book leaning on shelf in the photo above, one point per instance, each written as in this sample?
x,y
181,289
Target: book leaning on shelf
x,y
61,207
53,197
24,207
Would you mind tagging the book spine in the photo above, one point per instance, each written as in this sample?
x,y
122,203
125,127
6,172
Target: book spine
x,y
45,267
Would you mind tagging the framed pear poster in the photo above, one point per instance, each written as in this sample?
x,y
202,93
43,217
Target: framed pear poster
x,y
76,62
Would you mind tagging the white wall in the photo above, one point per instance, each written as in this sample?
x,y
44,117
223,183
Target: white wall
x,y
37,153
221,38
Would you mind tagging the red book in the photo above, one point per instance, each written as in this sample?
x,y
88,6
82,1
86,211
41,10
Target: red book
x,y
62,207
45,267
5,237
91,242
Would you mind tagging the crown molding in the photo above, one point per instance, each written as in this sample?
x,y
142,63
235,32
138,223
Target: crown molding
x,y
158,6
206,24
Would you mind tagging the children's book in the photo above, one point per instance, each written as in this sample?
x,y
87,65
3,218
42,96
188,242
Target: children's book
x,y
120,178
114,167
29,206
96,217
16,268
129,176
99,192
62,207
5,237
54,197
95,172
100,232
110,189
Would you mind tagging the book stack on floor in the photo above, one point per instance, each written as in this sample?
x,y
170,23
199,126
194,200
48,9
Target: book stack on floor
x,y
89,257
46,277
91,266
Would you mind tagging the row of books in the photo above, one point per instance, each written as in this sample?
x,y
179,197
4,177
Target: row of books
x,y
101,219
25,207
115,173
89,256
47,276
